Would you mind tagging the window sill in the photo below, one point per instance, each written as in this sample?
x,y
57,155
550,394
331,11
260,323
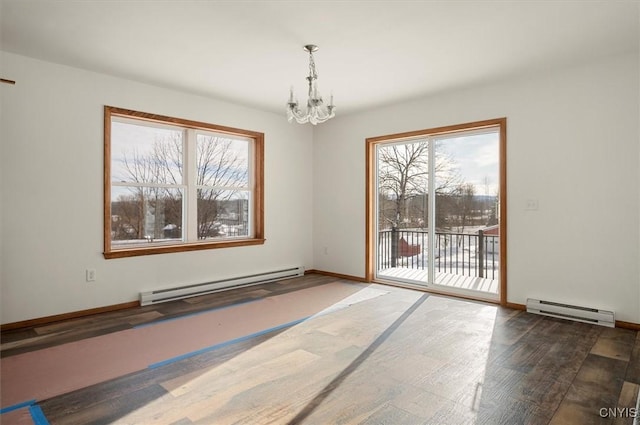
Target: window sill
x,y
196,246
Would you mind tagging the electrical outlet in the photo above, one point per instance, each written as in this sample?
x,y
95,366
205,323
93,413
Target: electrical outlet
x,y
91,275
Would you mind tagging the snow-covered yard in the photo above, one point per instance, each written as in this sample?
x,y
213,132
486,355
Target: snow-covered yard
x,y
455,253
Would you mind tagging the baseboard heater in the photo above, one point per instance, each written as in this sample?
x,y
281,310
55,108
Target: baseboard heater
x,y
179,292
572,312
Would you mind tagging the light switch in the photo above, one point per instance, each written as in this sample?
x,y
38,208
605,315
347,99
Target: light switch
x,y
531,205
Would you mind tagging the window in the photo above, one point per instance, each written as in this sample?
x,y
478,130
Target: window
x,y
176,185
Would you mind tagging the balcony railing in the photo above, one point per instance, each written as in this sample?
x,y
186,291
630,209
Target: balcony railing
x,y
474,254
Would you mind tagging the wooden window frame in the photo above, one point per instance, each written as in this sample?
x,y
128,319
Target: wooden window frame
x,y
256,169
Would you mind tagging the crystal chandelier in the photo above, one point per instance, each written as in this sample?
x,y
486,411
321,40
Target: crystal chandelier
x,y
316,110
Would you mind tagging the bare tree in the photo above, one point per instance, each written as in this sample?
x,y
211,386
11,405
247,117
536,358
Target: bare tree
x,y
465,194
493,210
127,221
221,173
161,166
403,177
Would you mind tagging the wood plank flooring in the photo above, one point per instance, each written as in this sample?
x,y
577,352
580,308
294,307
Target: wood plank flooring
x,y
402,358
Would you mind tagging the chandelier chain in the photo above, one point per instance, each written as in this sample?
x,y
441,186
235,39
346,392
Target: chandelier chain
x,y
312,67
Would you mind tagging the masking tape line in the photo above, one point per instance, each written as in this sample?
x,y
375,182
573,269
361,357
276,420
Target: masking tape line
x,y
17,406
224,344
246,337
38,415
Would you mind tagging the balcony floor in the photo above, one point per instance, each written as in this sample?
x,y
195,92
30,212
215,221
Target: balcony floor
x,y
452,280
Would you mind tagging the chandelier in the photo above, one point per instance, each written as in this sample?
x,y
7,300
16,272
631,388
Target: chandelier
x,y
316,111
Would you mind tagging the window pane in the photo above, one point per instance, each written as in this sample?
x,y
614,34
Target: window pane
x,y
143,215
146,154
222,161
223,213
403,178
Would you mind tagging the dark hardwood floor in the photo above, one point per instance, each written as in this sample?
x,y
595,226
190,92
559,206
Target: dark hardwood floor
x,y
402,358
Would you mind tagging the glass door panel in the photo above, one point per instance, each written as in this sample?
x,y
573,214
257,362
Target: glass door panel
x,y
467,213
402,210
437,211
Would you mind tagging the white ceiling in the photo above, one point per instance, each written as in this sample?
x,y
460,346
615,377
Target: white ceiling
x,y
371,53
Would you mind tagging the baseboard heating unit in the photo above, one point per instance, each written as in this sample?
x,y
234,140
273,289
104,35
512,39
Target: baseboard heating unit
x,y
571,312
179,292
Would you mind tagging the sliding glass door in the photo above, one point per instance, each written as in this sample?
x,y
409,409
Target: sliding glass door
x,y
436,209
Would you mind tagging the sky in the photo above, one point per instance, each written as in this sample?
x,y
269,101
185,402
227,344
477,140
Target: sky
x,y
131,139
127,139
477,157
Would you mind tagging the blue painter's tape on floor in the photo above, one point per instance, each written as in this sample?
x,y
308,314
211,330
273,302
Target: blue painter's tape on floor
x,y
17,406
38,415
333,309
224,344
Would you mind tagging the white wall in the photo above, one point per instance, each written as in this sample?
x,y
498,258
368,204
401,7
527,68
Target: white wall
x,y
51,192
573,143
